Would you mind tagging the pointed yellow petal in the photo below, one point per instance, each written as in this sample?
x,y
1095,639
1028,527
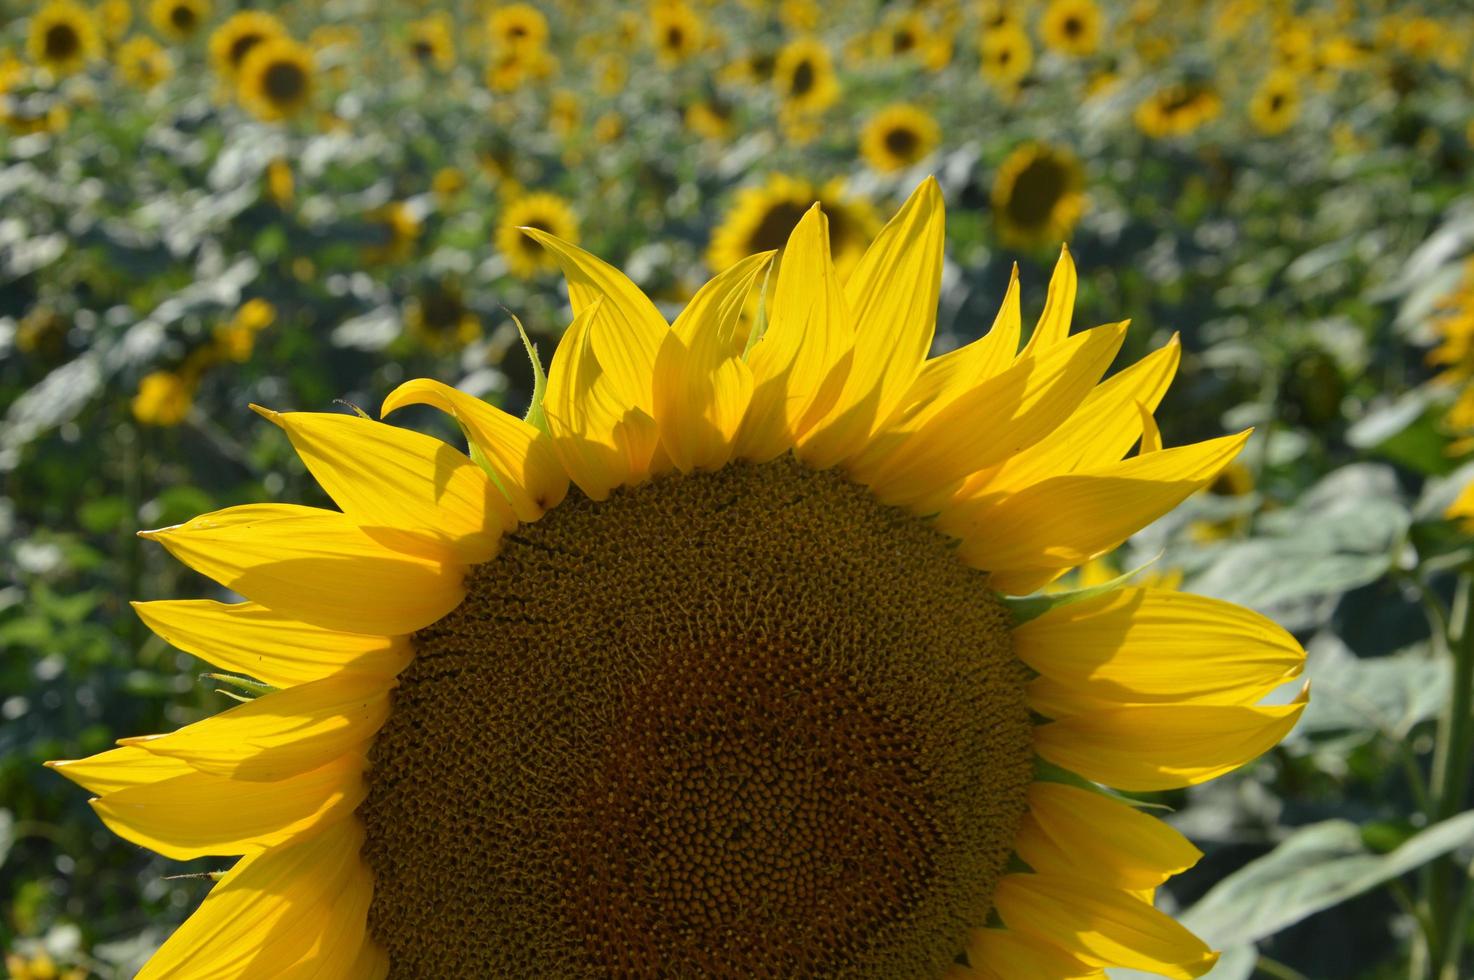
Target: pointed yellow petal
x,y
118,769
198,813
282,734
401,487
1100,925
999,954
626,330
519,455
1065,521
892,299
800,362
250,639
1165,746
1059,306
1139,645
1075,831
273,911
317,566
1000,417
1151,436
702,386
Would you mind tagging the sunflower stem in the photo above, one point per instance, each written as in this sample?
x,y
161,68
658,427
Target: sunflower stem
x,y
1452,759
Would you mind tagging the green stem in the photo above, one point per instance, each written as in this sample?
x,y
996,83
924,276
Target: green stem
x,y
1280,971
1453,946
1452,759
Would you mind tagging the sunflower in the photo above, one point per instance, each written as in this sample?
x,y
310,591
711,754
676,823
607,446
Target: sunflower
x,y
234,39
1454,356
677,31
1178,109
437,317
545,214
395,227
63,37
143,62
712,117
1037,196
432,42
1233,483
164,398
1071,26
1275,105
762,218
276,78
114,17
804,77
899,136
178,19
1005,55
904,35
681,676
517,26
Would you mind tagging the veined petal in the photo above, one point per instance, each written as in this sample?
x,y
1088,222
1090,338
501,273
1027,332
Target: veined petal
x,y
1074,831
1165,746
1000,954
199,813
1151,436
1059,306
317,566
702,386
626,330
984,426
282,734
1136,645
401,487
274,910
800,363
120,769
1026,538
892,299
251,639
519,456
1100,924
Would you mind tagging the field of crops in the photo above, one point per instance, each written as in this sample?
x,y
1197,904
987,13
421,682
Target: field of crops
x,y
206,205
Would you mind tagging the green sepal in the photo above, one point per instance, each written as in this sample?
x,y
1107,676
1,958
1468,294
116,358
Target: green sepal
x,y
534,416
1025,608
252,689
353,408
1048,772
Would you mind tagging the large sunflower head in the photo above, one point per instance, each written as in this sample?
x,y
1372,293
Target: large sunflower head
x,y
542,213
1071,27
178,19
143,62
710,665
1005,55
276,78
803,76
234,39
63,37
762,218
899,136
1038,196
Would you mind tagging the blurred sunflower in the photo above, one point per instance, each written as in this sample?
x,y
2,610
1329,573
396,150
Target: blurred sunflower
x,y
143,62
1006,55
762,217
438,318
544,213
178,19
396,228
432,42
904,35
1453,324
662,682
565,112
447,185
235,340
677,31
711,117
280,183
63,37
164,398
510,69
1178,109
1275,105
276,78
803,76
517,26
1038,196
899,136
234,39
114,17
1235,481
1071,26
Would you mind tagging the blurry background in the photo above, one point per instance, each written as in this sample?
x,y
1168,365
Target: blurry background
x,y
205,204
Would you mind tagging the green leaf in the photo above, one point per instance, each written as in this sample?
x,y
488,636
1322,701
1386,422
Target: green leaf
x,y
253,689
1387,695
7,835
534,416
1025,608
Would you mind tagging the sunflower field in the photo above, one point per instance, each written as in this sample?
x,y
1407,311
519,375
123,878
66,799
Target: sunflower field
x,y
786,591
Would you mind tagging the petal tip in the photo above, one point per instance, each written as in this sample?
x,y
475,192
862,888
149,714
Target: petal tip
x,y
273,417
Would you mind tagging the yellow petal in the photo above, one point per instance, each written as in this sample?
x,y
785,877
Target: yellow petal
x,y
984,426
1165,746
800,363
119,769
199,813
1136,645
317,566
702,386
282,734
1059,306
1026,537
999,954
520,456
1100,925
1074,831
286,912
892,299
250,639
1151,436
372,963
401,487
626,329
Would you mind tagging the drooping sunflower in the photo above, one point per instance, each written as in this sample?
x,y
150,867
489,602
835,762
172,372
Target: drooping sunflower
x,y
1038,196
1005,55
178,19
546,214
899,136
234,39
276,78
1275,105
762,217
679,675
677,31
1178,109
143,62
803,76
1071,27
63,37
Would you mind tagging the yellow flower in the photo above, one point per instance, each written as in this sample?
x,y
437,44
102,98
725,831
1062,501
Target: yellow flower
x,y
1071,26
1275,105
437,317
276,78
281,185
512,68
608,127
237,339
677,31
1235,481
234,39
763,216
517,27
1177,110
712,117
178,19
115,17
1006,55
903,36
447,184
1037,196
799,15
432,42
712,659
1454,355
543,213
565,110
164,398
804,77
397,228
899,136
143,62
610,74
63,37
